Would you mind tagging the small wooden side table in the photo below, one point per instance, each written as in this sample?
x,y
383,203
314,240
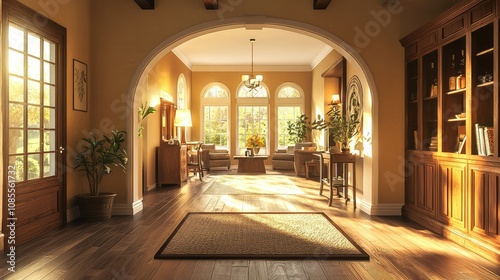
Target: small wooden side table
x,y
312,164
332,160
251,164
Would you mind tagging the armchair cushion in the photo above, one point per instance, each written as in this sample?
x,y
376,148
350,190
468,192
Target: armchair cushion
x,y
213,157
283,156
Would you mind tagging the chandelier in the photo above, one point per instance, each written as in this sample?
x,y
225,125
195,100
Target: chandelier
x,y
252,82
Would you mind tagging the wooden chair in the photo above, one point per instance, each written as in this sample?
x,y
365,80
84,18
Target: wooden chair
x,y
197,166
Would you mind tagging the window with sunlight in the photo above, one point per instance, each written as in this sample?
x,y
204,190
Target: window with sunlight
x,y
216,115
253,117
289,104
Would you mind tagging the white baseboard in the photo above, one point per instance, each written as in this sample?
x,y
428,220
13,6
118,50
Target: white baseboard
x,y
127,209
390,209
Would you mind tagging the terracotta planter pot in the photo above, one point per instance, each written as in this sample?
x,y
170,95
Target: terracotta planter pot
x,y
95,208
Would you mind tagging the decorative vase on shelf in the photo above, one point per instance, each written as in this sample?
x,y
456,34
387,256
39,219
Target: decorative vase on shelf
x,y
256,150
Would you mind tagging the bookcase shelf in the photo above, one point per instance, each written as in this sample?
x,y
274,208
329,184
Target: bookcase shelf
x,y
454,162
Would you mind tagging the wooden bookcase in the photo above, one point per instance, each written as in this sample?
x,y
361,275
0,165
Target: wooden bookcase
x,y
452,183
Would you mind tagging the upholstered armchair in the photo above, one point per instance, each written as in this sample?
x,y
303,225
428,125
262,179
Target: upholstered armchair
x,y
213,157
284,159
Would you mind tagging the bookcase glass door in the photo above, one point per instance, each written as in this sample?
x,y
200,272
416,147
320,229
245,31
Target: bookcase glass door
x,y
430,101
412,105
454,96
482,98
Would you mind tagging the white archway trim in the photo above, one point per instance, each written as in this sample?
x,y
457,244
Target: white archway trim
x,y
370,170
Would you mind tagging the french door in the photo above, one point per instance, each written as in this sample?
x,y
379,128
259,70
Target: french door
x,y
33,105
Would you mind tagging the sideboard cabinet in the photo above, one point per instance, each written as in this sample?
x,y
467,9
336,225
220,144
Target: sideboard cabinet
x,y
171,164
452,126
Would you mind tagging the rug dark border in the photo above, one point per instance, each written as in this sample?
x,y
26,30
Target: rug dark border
x,y
362,256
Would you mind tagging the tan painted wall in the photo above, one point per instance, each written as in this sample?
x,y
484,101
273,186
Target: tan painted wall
x,y
162,78
123,35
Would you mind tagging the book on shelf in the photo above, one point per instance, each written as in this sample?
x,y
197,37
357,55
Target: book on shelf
x,y
485,142
461,143
488,141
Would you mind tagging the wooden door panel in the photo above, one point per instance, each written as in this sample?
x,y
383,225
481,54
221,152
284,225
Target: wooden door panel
x,y
485,202
426,187
478,201
452,195
493,198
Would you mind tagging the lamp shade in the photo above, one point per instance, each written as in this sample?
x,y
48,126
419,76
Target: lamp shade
x,y
183,118
335,98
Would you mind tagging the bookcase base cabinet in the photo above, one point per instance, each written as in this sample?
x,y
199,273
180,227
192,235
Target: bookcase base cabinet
x,y
171,165
452,128
458,199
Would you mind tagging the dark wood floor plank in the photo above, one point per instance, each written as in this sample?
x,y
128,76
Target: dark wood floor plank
x,y
124,247
257,270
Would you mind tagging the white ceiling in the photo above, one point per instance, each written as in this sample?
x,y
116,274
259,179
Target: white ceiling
x,y
274,50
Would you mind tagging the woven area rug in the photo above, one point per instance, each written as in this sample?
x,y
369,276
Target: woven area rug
x,y
263,235
252,184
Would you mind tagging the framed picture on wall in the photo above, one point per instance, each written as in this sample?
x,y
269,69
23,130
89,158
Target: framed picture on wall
x,y
80,94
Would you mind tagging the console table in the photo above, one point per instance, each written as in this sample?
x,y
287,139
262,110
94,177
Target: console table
x,y
251,164
332,180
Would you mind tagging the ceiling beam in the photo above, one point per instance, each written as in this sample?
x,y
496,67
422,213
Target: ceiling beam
x,y
211,4
146,4
321,4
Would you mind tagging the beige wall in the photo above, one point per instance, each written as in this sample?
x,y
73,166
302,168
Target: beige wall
x,y
121,36
161,79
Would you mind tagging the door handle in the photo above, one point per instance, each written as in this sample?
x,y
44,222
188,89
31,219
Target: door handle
x,y
61,150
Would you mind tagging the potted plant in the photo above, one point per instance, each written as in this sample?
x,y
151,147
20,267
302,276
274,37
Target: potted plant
x,y
344,128
94,161
297,130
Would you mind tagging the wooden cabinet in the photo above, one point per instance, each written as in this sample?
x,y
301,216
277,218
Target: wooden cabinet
x,y
171,164
421,185
452,126
452,196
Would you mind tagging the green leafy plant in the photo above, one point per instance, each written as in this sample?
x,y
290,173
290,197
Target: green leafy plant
x,y
297,130
144,111
99,155
344,128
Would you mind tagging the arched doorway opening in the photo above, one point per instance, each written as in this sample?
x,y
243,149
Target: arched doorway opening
x,y
369,160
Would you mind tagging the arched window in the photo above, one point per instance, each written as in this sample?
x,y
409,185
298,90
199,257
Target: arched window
x,y
215,117
289,106
252,116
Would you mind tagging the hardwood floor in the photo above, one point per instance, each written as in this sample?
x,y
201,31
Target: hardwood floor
x,y
123,247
